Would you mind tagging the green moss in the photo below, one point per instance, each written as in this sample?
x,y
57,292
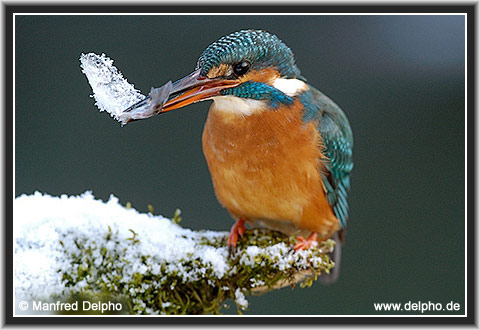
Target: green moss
x,y
99,268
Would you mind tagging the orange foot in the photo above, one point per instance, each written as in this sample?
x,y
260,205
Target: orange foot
x,y
238,229
303,243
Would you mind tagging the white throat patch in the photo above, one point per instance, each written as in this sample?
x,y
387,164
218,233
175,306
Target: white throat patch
x,y
238,105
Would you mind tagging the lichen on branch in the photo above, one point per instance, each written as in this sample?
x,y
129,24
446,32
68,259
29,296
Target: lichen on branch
x,y
78,246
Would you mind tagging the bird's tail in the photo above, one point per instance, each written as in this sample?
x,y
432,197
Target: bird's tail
x,y
336,256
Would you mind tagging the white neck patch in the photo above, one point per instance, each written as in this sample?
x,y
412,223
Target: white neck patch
x,y
291,87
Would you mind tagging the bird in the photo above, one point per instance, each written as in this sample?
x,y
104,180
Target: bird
x,y
279,151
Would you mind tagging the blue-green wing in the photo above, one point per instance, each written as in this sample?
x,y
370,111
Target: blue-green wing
x,y
337,137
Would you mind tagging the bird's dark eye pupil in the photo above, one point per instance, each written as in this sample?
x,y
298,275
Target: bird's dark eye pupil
x,y
241,68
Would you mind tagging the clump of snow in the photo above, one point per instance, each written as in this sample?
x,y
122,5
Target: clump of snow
x,y
114,94
111,91
240,299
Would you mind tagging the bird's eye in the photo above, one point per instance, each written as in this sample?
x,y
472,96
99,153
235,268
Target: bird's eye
x,y
241,68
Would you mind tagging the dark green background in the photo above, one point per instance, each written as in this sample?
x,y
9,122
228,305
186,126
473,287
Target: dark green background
x,y
400,79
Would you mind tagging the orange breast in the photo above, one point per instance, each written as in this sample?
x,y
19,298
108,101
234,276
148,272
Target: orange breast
x,y
266,167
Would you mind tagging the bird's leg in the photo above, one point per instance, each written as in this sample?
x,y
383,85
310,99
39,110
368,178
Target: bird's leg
x,y
304,244
238,229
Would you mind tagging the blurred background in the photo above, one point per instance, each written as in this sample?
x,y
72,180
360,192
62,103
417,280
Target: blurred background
x,y
400,80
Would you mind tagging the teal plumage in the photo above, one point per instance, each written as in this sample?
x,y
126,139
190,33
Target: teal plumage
x,y
337,138
260,91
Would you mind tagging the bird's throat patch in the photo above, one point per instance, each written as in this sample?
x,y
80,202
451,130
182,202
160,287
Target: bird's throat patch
x,y
232,106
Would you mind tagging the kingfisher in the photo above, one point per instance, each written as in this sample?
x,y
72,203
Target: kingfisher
x,y
279,151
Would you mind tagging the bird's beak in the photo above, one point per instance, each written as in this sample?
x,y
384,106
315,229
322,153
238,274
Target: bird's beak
x,y
194,88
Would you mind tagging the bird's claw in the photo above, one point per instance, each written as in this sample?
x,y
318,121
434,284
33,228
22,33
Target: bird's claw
x,y
304,244
238,230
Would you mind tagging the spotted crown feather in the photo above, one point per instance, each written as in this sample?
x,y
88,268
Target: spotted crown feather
x,y
258,47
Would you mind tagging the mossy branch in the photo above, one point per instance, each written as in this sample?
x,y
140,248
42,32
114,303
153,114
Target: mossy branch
x,y
119,265
169,293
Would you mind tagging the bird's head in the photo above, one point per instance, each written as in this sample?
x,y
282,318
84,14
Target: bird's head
x,y
246,69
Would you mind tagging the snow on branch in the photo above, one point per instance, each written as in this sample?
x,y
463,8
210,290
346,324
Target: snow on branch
x,y
78,246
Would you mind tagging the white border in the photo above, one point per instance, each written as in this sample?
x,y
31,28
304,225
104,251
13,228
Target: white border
x,y
240,14
251,14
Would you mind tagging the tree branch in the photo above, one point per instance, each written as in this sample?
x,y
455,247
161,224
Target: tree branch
x,y
79,248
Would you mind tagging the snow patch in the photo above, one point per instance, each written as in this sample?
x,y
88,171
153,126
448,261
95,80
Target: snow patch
x,y
47,230
240,299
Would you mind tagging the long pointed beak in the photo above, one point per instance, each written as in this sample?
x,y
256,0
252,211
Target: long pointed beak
x,y
190,89
194,88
